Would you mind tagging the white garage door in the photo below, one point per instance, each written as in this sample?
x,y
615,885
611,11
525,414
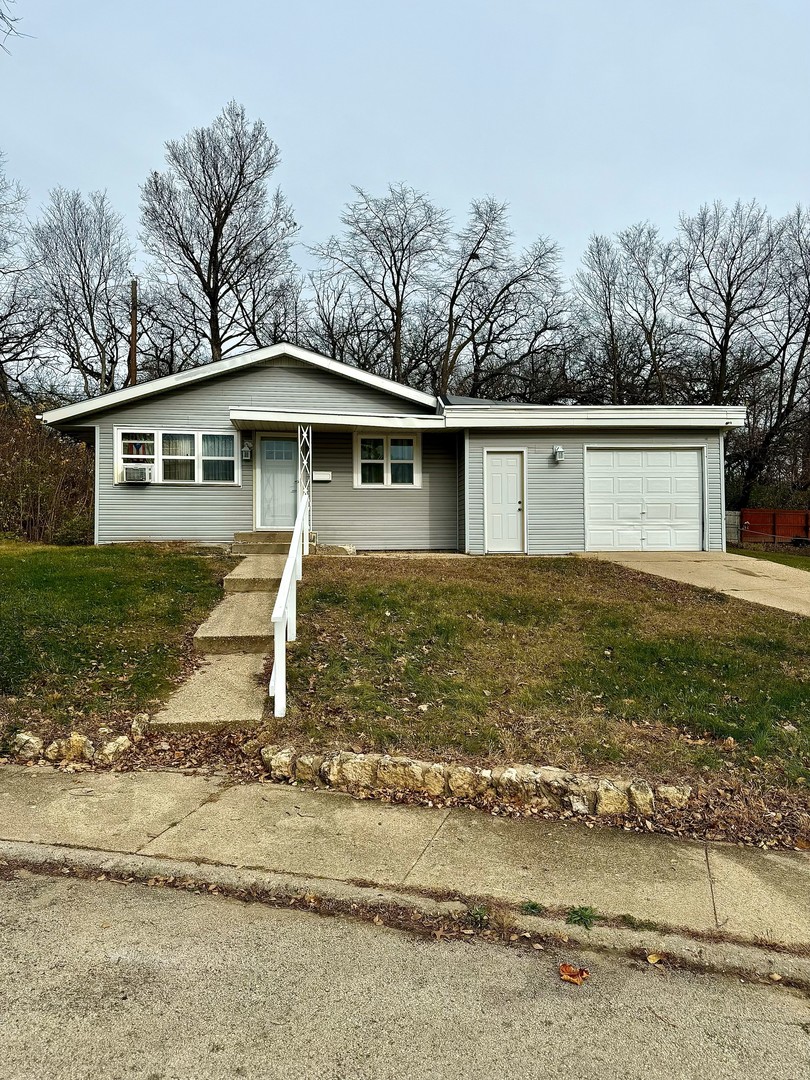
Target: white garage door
x,y
644,500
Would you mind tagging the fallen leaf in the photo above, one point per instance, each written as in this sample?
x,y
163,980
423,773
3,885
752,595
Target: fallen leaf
x,y
653,958
775,976
802,844
575,975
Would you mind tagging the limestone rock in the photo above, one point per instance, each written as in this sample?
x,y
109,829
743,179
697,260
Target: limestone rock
x,y
359,770
610,799
282,764
642,798
113,749
553,783
582,794
74,747
517,783
399,773
674,795
139,726
308,768
434,779
27,745
467,783
267,753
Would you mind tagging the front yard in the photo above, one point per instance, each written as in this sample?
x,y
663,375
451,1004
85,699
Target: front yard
x,y
90,635
574,662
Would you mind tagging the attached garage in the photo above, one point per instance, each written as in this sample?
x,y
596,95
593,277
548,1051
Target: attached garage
x,y
639,499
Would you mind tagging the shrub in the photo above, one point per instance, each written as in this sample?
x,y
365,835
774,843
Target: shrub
x,y
46,482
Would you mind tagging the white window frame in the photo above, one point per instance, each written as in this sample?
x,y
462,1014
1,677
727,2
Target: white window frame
x,y
157,467
387,436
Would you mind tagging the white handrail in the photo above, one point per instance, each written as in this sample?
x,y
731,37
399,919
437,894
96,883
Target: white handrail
x,y
284,611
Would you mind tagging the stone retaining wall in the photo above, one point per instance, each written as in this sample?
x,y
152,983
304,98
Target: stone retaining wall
x,y
545,787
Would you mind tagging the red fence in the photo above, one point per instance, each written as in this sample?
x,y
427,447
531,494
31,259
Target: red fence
x,y
775,526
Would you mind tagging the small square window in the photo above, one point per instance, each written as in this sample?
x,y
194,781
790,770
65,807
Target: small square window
x,y
387,461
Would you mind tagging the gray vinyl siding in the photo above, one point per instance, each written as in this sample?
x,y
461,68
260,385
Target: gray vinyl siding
x,y
386,519
555,496
208,513
461,495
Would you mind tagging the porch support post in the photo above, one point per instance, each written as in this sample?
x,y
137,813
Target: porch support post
x,y
305,475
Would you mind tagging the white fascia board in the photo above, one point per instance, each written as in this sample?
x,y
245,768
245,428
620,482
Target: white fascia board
x,y
223,367
596,416
265,419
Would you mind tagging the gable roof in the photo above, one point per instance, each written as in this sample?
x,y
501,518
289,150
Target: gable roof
x,y
235,363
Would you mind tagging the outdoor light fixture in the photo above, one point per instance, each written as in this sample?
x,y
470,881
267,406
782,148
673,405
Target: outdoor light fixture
x,y
247,450
558,452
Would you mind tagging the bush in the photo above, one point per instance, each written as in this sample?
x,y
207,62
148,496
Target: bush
x,y
46,482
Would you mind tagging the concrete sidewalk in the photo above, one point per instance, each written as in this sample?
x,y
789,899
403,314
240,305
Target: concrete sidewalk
x,y
756,580
329,836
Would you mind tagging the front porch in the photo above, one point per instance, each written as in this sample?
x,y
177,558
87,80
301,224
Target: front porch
x,y
372,486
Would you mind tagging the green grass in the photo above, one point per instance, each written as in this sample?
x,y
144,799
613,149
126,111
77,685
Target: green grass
x,y
786,558
89,632
572,661
581,916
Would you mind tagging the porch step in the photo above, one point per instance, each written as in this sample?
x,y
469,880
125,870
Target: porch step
x,y
241,623
224,694
282,536
244,547
256,573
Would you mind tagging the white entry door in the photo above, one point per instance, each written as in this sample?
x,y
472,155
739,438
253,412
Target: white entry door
x,y
504,494
278,483
644,500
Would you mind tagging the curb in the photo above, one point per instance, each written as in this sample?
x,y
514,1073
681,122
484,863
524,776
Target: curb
x,y
407,910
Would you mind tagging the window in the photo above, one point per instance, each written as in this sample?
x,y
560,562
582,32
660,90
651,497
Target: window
x,y
387,461
137,447
179,457
218,459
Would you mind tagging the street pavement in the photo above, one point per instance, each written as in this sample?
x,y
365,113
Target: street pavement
x,y
104,981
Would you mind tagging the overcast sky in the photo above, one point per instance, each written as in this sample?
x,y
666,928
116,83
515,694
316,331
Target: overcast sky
x,y
583,115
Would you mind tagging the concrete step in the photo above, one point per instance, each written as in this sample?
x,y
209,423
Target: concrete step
x,y
224,694
264,536
240,547
239,624
256,573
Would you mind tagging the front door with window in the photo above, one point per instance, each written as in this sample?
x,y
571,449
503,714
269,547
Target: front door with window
x,y
504,494
277,483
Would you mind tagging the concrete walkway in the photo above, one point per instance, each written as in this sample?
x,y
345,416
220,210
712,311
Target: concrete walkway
x,y
756,580
225,691
330,837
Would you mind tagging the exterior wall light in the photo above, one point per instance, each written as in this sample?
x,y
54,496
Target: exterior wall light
x,y
558,452
247,450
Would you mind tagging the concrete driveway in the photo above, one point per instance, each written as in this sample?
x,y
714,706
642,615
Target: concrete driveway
x,y
756,580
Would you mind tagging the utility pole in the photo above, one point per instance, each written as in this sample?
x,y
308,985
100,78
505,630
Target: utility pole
x,y
132,363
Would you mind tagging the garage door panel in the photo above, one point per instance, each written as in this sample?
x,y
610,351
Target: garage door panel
x,y
628,459
644,500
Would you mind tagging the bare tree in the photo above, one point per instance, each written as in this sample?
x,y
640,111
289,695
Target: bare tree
x,y
496,311
81,256
21,319
381,268
220,242
8,23
727,262
630,337
778,395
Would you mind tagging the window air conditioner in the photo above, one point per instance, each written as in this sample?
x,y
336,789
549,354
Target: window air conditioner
x,y
137,474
